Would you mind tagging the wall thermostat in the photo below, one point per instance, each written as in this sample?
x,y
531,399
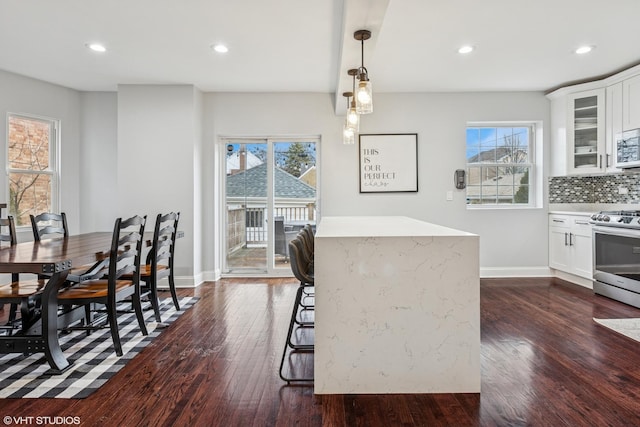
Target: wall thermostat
x,y
459,179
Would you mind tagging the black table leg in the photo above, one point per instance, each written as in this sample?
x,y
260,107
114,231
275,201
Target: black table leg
x,y
52,349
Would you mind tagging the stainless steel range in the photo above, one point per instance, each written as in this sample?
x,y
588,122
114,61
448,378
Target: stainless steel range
x,y
616,255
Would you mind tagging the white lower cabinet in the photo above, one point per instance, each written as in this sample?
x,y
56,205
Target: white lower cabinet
x,y
570,244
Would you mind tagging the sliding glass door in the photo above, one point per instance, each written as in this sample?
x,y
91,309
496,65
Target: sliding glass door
x,y
270,194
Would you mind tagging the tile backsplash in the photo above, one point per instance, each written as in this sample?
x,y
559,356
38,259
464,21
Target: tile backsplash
x,y
595,189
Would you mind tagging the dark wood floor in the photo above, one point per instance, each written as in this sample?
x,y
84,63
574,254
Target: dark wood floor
x,y
544,363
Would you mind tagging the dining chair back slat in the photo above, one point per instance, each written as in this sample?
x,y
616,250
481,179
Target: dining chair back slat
x,y
48,223
8,230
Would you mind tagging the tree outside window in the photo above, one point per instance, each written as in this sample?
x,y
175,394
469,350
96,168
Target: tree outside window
x,y
31,166
499,164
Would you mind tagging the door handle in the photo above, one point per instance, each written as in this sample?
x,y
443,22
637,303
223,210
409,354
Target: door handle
x,y
608,156
570,239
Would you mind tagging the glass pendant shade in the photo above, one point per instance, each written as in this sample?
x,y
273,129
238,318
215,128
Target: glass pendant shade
x,y
348,134
364,97
353,119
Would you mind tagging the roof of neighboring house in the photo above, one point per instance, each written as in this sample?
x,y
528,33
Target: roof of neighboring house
x,y
233,161
309,176
253,183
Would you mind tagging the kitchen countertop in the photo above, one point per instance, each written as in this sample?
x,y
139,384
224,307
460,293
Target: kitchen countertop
x,y
381,226
577,208
587,214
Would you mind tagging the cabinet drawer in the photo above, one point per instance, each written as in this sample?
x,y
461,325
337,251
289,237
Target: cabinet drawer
x,y
581,226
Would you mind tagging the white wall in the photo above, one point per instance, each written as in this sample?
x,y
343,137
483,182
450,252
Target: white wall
x,y
98,160
157,165
512,241
19,94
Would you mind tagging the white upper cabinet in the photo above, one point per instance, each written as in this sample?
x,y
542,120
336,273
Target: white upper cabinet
x,y
586,132
631,103
586,120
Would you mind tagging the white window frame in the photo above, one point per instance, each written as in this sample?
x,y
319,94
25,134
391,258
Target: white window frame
x,y
54,159
534,164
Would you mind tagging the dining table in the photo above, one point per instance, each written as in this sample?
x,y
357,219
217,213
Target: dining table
x,y
51,258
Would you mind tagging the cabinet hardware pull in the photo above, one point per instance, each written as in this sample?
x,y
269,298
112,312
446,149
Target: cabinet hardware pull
x,y
608,156
570,239
600,161
565,239
559,220
582,222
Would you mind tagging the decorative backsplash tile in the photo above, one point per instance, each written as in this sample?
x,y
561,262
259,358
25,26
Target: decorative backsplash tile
x,y
595,189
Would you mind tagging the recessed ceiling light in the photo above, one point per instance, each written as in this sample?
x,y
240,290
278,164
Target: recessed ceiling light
x,y
96,47
583,49
220,48
465,49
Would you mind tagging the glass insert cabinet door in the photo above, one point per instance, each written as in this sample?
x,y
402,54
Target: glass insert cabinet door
x,y
586,132
270,194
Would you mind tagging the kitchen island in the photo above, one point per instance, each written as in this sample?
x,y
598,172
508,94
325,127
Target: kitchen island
x,y
397,307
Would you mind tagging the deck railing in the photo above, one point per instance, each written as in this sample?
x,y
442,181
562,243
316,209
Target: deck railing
x,y
255,231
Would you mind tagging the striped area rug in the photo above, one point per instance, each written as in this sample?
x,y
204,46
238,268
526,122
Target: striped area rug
x,y
93,358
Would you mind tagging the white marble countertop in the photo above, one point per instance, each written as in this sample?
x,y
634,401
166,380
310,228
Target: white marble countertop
x,y
588,214
381,226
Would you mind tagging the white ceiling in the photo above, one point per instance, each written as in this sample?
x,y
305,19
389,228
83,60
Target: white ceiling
x,y
307,46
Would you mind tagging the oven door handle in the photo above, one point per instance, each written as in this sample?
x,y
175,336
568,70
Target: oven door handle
x,y
616,231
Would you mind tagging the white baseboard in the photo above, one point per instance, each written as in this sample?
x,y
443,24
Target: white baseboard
x,y
587,283
493,272
485,272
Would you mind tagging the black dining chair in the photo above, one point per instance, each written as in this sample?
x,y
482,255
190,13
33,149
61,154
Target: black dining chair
x,y
159,263
21,293
124,259
48,225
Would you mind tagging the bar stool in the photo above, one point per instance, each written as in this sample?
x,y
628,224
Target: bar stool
x,y
300,269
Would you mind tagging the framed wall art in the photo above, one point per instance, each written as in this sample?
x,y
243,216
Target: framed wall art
x,y
388,163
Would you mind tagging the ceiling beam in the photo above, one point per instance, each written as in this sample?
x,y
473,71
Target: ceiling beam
x,y
357,15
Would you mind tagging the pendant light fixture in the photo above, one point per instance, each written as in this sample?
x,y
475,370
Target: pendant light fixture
x,y
363,95
352,114
348,132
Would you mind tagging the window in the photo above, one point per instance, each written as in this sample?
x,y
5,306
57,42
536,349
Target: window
x,y
31,166
500,165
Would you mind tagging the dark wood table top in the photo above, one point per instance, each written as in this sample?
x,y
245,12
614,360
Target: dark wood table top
x,y
53,255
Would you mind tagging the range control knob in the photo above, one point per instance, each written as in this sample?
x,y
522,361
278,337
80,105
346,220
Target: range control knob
x,y
606,218
594,217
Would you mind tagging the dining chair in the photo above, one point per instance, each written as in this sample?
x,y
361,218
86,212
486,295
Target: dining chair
x,y
159,262
124,259
48,223
51,225
19,293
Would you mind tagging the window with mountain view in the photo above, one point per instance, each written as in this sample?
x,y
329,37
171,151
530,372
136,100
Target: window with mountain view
x,y
499,165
